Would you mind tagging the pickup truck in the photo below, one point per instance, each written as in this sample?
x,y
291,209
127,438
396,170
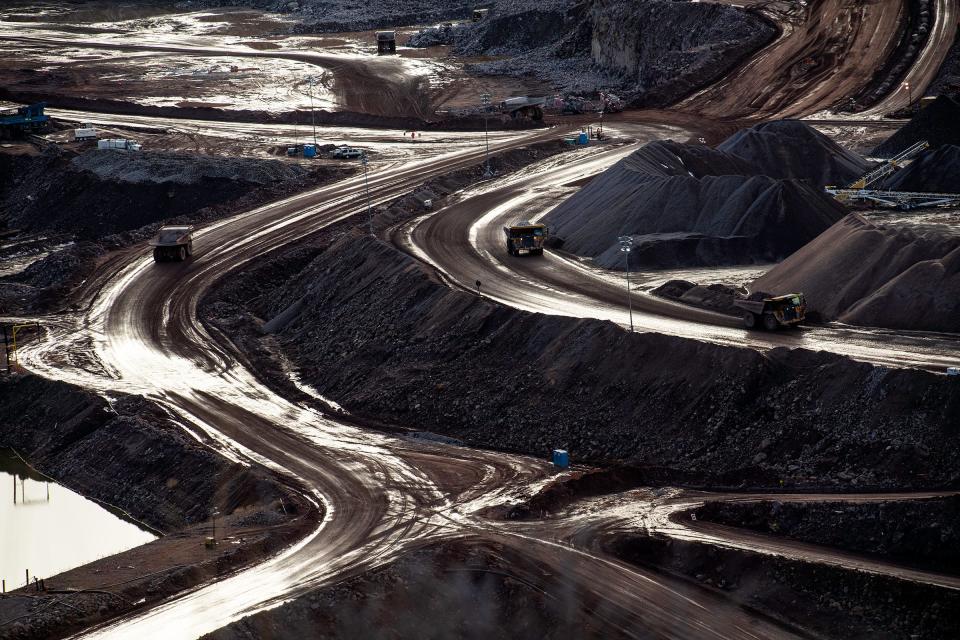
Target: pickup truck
x,y
347,153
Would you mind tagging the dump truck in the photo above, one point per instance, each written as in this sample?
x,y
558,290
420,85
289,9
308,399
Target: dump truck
x,y
771,313
524,107
525,236
173,243
386,42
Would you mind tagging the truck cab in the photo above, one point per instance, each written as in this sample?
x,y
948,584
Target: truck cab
x,y
773,312
525,236
173,243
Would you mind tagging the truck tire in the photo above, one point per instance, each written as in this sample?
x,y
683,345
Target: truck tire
x,y
182,253
157,255
190,248
749,320
770,322
537,252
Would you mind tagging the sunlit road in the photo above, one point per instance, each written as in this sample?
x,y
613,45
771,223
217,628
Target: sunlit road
x,y
465,242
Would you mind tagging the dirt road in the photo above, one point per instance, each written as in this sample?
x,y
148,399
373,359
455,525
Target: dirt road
x,y
465,242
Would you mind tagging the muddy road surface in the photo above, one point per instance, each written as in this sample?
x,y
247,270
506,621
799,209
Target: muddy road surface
x,y
465,242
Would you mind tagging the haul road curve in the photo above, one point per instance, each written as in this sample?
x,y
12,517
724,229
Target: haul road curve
x,y
383,494
464,241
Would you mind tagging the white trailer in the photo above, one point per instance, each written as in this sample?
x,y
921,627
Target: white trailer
x,y
118,143
84,134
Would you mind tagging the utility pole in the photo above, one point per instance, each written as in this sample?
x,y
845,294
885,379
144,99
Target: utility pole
x,y
366,184
485,101
626,243
906,85
313,121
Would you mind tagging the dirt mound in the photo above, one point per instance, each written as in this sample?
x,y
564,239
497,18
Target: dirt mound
x,y
432,358
715,297
867,274
700,207
935,171
938,123
793,149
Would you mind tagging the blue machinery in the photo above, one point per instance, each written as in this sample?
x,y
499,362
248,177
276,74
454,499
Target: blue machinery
x,y
24,119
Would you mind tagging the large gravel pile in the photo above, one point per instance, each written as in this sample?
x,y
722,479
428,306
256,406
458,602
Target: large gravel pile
x,y
792,149
935,171
178,168
690,205
432,358
938,123
862,273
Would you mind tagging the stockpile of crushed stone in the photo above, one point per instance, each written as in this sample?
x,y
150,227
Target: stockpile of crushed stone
x,y
938,123
936,171
867,274
792,149
180,168
687,205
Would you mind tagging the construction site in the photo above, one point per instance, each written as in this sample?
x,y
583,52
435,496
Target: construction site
x,y
420,319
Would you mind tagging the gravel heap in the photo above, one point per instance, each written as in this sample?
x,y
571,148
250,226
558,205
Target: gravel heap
x,y
700,207
180,168
935,171
938,123
867,274
792,149
432,358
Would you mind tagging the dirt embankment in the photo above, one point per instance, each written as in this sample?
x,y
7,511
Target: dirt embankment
x,y
936,171
101,200
832,602
464,590
702,206
868,274
920,533
129,454
937,123
370,328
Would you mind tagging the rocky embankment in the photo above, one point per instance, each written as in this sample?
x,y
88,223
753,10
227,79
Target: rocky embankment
x,y
464,589
870,274
102,200
935,171
755,199
920,533
128,453
370,328
937,123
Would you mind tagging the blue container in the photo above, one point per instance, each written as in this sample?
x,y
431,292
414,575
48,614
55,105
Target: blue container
x,y
309,151
561,459
583,138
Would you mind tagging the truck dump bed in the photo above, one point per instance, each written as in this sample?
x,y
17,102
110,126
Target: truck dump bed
x,y
171,236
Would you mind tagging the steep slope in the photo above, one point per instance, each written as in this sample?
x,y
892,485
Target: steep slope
x,y
867,274
937,123
690,205
935,171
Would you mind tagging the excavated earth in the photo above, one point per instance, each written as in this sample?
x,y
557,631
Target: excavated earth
x,y
938,123
431,358
936,171
102,200
757,198
864,273
130,454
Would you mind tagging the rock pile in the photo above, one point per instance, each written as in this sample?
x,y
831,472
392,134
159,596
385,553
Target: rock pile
x,y
690,205
867,274
935,171
937,123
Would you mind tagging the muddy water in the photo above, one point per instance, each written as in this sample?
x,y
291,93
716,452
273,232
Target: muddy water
x,y
48,529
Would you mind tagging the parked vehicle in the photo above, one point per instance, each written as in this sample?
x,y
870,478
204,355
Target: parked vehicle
x,y
347,153
118,143
525,236
84,134
173,243
773,312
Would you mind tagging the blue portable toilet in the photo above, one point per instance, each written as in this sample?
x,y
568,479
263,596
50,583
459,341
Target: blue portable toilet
x,y
583,138
309,151
561,459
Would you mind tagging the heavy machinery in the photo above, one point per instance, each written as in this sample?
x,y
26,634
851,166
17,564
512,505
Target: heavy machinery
x,y
23,120
525,236
523,107
771,313
386,42
173,243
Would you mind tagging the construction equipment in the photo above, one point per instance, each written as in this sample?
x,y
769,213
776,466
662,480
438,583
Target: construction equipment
x,y
524,107
903,200
29,119
771,313
889,166
525,236
386,42
173,243
479,15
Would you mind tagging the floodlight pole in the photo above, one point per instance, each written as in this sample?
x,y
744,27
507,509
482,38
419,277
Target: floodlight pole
x,y
366,183
485,100
626,243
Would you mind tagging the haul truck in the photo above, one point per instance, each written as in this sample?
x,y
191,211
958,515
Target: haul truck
x,y
525,236
173,243
770,313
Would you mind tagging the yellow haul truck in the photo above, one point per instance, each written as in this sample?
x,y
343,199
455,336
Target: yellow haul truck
x,y
525,236
770,313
